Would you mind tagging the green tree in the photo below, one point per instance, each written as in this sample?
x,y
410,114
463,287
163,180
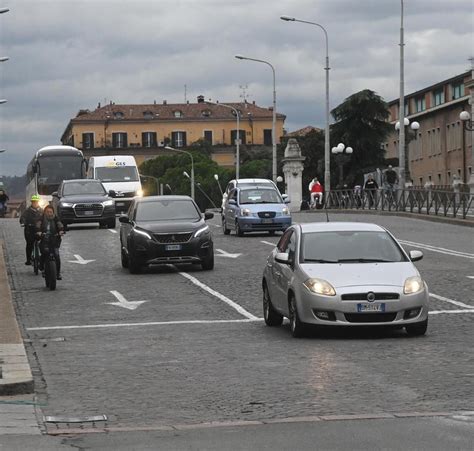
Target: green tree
x,y
361,123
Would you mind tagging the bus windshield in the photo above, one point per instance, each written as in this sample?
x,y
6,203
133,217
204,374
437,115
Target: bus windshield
x,y
117,174
52,170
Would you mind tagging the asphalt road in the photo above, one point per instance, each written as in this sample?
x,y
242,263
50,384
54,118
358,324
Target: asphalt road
x,y
196,352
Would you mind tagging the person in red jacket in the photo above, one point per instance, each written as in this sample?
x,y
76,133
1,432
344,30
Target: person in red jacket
x,y
316,190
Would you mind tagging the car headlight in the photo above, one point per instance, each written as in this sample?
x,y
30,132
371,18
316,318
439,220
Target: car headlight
x,y
245,212
320,286
66,204
285,211
413,285
202,230
139,193
108,203
42,203
143,233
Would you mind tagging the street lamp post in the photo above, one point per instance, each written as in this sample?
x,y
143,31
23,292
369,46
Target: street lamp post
x,y
327,167
401,108
192,165
342,154
274,150
237,141
403,164
466,119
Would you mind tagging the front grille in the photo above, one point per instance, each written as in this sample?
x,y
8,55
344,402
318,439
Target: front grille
x,y
172,238
363,296
370,317
88,210
266,214
273,225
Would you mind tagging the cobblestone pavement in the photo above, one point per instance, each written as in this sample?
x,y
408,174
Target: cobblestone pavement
x,y
173,372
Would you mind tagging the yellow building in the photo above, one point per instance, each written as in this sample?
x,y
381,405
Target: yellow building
x,y
144,130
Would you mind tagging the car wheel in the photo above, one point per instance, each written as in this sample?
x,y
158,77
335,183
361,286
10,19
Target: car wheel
x,y
417,329
272,318
224,227
111,223
124,259
238,230
208,263
133,265
297,328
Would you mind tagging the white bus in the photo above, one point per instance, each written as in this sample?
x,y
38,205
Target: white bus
x,y
118,173
49,167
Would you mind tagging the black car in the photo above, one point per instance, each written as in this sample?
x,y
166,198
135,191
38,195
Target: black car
x,y
84,200
161,230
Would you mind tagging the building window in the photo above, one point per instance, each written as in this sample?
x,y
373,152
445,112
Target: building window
x,y
420,104
178,139
439,179
178,113
267,137
88,140
233,136
458,90
406,109
208,136
118,115
149,139
205,113
438,96
448,181
148,115
119,140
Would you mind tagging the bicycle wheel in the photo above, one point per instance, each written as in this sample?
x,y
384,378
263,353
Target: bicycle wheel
x,y
36,259
50,274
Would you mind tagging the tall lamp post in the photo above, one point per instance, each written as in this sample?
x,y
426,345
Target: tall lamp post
x,y
237,141
342,153
274,149
327,161
192,165
403,164
466,119
401,108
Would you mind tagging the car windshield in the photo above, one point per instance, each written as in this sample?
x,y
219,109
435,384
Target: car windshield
x,y
117,174
167,210
350,247
74,188
259,196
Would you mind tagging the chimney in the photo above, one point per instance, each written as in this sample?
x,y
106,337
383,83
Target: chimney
x,y
200,99
253,102
154,102
98,106
165,102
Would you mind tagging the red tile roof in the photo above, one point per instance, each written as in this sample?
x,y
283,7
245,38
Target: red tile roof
x,y
303,131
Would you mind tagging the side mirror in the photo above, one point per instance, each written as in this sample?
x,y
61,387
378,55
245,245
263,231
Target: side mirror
x,y
124,219
112,193
287,200
284,196
208,215
55,194
282,257
415,255
232,202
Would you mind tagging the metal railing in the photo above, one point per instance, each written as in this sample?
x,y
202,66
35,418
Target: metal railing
x,y
454,203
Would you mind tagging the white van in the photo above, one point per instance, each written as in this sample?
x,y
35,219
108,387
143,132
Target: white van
x,y
120,174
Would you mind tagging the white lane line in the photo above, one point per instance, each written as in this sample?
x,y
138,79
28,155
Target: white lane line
x,y
268,242
223,253
437,312
112,230
441,250
451,301
154,323
218,295
470,277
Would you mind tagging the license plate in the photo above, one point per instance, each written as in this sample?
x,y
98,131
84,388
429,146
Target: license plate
x,y
173,247
120,204
88,213
267,221
364,308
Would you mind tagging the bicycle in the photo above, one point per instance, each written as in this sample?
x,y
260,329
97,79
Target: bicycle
x,y
50,260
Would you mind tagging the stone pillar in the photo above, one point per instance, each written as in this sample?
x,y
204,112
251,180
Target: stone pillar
x,y
293,171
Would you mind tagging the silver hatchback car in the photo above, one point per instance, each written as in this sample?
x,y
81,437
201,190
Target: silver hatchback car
x,y
343,274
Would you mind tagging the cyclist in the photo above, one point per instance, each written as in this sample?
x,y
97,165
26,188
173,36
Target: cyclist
x,y
316,191
3,202
29,219
49,223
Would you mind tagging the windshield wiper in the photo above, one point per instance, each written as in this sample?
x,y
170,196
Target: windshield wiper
x,y
363,260
319,260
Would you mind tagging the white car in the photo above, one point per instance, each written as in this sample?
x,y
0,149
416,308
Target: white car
x,y
244,183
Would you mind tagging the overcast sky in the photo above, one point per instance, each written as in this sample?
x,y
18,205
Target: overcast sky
x,y
67,55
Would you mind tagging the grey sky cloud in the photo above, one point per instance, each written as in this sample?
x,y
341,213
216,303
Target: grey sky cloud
x,y
66,55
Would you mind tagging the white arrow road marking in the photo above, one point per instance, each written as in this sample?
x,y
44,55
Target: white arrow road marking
x,y
226,254
451,301
470,277
79,260
268,242
122,302
441,250
112,230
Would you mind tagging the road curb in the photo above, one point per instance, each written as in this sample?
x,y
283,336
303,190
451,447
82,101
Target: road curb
x,y
15,372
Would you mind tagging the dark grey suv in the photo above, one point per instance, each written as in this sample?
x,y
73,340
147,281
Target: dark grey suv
x,y
161,230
